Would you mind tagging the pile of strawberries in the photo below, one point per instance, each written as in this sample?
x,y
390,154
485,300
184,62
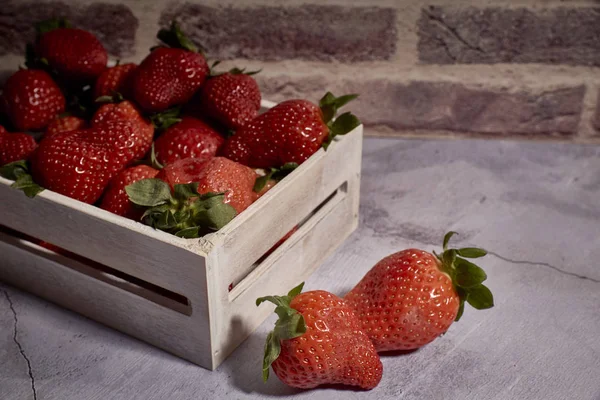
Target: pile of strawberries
x,y
169,142
404,302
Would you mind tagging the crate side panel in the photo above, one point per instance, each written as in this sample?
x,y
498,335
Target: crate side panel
x,y
126,248
185,336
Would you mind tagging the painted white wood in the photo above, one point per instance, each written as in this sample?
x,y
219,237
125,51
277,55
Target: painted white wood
x,y
199,269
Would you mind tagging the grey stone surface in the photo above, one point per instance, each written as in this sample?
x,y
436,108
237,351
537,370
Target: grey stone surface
x,y
114,24
444,105
562,35
309,32
596,120
534,206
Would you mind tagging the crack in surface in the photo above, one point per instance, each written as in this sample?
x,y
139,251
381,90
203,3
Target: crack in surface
x,y
16,340
439,21
547,265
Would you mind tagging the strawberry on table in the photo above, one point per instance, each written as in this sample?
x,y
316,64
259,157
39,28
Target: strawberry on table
x,y
117,79
116,200
15,147
75,54
32,99
232,98
318,340
290,132
189,138
64,124
169,76
410,298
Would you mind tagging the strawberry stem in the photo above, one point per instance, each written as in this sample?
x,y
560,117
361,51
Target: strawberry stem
x,y
175,38
289,325
467,277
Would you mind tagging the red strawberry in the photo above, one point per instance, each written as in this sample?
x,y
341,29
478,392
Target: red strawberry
x,y
289,132
75,54
169,76
411,297
318,340
190,138
79,164
32,99
15,147
2,130
115,198
214,175
115,80
140,143
64,124
233,99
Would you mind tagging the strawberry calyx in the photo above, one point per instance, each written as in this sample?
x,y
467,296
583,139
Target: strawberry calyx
x,y
290,325
233,71
18,171
276,174
115,97
183,212
164,119
467,277
342,124
50,25
175,38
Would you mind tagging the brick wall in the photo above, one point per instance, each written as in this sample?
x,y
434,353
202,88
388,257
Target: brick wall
x,y
493,68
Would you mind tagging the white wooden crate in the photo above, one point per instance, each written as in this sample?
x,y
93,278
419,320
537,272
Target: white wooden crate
x,y
171,292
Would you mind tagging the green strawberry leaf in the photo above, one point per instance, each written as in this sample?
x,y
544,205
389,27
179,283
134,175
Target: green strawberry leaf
x,y
174,37
165,119
50,25
186,191
447,238
468,274
149,192
344,123
480,297
27,185
276,174
461,310
18,171
471,252
216,217
290,325
189,233
272,351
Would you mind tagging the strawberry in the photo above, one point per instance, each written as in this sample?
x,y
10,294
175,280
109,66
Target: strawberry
x,y
64,124
290,132
169,76
32,99
232,98
411,297
80,164
2,131
318,340
190,138
75,54
15,147
115,198
214,175
125,110
113,80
